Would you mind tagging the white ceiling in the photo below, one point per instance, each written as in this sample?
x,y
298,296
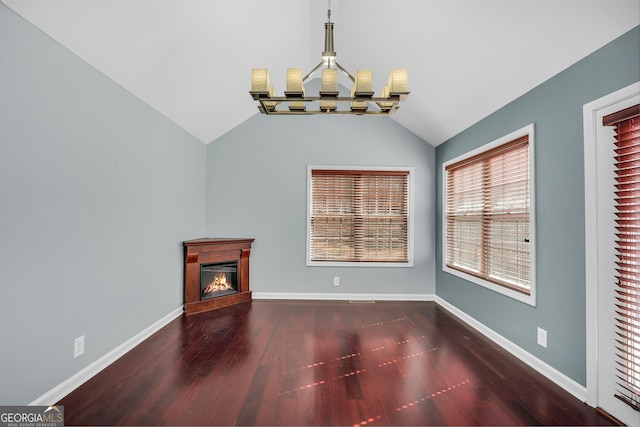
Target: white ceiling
x,y
191,59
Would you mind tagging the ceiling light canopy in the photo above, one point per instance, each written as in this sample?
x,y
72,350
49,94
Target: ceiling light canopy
x,y
328,101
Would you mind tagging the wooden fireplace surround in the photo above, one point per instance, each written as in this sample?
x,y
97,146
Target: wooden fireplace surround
x,y
208,251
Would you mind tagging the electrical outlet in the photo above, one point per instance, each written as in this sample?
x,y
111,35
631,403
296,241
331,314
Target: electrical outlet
x,y
78,347
542,337
336,281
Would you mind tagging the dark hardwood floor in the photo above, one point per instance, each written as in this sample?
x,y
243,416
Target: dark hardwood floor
x,y
322,363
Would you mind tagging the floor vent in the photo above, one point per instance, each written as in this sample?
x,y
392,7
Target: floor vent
x,y
361,301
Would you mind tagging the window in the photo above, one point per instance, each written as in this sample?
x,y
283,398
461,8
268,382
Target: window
x,y
627,248
488,219
359,216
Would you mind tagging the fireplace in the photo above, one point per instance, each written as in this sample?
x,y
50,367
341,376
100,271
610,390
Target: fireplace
x,y
216,273
218,279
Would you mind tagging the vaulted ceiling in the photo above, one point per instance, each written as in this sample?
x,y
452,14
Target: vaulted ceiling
x,y
191,60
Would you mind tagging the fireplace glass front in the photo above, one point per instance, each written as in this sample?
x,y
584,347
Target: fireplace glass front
x,y
218,279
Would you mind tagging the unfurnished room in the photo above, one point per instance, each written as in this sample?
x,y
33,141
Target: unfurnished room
x,y
312,212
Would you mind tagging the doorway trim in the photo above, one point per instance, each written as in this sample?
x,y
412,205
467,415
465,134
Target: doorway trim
x,y
591,125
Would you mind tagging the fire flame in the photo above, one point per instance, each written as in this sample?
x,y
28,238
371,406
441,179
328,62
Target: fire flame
x,y
219,284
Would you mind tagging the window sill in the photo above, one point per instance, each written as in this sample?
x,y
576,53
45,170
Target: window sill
x,y
358,264
527,299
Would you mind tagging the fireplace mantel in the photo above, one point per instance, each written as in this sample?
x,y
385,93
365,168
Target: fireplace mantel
x,y
204,251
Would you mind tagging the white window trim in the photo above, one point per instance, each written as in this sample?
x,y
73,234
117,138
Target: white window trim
x,y
596,169
410,232
527,299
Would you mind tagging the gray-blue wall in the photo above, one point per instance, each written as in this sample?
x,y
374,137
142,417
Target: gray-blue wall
x,y
257,187
97,193
555,107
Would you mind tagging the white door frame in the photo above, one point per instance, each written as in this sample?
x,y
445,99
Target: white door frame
x,y
590,114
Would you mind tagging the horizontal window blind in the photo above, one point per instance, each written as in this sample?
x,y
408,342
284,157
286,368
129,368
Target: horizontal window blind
x,y
359,216
488,215
627,246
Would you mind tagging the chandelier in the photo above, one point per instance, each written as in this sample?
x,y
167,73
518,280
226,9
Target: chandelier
x,y
328,101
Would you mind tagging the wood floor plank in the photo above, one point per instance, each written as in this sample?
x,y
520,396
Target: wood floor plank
x,y
322,363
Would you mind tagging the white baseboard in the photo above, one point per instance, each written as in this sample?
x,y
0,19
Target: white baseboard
x,y
55,394
577,390
343,297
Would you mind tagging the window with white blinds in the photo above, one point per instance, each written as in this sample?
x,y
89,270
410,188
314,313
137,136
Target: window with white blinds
x,y
488,216
359,216
627,247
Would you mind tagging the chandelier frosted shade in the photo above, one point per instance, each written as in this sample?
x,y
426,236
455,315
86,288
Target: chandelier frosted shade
x,y
294,82
295,89
398,81
362,88
362,99
329,82
364,83
260,82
